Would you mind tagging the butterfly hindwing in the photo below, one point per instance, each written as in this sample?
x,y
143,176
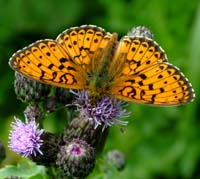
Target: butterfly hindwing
x,y
146,77
46,61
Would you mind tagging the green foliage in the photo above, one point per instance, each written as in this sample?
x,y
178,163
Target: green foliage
x,y
158,142
25,170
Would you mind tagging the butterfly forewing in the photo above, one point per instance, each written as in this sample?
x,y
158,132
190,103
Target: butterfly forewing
x,y
82,42
135,54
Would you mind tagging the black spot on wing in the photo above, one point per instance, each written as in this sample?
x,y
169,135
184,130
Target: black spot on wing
x,y
63,60
143,76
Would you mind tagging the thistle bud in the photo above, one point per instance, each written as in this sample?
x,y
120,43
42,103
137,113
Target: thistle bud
x,y
33,112
117,159
49,149
28,90
140,31
76,159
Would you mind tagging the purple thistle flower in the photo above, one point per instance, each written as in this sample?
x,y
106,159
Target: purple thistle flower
x,y
25,138
106,111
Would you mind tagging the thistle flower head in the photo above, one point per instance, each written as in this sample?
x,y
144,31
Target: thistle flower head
x,y
76,159
24,138
106,111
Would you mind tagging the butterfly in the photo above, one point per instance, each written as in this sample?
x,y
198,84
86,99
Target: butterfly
x,y
134,69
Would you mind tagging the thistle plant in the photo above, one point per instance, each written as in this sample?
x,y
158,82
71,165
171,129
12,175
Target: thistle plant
x,y
73,152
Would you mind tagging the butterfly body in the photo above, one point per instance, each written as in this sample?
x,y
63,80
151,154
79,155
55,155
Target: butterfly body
x,y
100,80
134,69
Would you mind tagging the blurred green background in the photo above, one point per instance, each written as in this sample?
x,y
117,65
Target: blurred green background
x,y
158,142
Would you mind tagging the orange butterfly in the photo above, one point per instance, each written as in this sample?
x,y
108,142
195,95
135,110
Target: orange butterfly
x,y
87,57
